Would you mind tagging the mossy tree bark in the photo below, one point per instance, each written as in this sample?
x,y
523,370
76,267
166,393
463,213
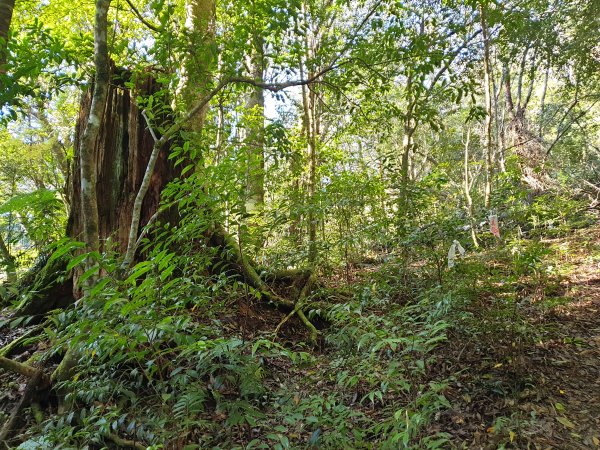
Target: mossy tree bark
x,y
9,262
198,62
312,125
254,143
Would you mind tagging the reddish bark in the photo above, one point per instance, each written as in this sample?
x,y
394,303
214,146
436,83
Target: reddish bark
x,y
123,149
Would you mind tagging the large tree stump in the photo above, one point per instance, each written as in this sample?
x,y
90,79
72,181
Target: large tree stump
x,y
124,148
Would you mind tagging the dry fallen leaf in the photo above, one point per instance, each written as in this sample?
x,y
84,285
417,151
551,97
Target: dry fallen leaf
x,y
566,422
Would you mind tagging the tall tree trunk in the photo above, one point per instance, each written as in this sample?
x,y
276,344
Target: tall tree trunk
x,y
312,176
219,138
198,62
312,129
488,145
255,141
407,147
543,104
89,142
499,140
310,99
6,13
408,128
124,146
88,161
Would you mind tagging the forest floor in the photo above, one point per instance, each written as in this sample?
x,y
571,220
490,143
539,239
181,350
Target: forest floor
x,y
515,362
520,363
536,384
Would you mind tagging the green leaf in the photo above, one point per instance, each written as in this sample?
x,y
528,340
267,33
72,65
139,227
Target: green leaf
x,y
89,273
65,247
76,261
139,270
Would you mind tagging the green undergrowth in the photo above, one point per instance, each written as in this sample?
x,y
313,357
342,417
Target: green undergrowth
x,y
162,362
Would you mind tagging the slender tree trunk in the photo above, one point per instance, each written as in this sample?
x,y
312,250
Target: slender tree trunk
x,y
88,162
499,128
409,128
489,152
88,150
255,142
6,13
311,124
543,104
407,147
467,189
312,174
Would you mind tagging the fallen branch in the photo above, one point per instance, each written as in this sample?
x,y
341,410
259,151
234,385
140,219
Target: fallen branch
x,y
593,186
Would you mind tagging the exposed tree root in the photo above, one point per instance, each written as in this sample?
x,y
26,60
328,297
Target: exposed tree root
x,y
64,370
17,367
37,380
15,345
234,256
45,287
125,443
48,286
38,413
289,275
223,240
314,333
298,309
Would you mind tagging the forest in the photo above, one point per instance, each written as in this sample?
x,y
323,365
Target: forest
x,y
300,224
